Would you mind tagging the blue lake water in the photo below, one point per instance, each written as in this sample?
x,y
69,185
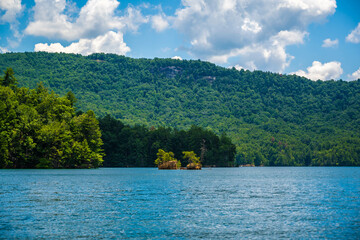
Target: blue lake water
x,y
218,203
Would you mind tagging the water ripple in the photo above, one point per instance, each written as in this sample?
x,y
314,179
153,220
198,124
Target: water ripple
x,y
232,203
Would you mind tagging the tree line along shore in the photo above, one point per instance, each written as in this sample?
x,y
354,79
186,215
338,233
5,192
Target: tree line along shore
x,y
272,119
40,129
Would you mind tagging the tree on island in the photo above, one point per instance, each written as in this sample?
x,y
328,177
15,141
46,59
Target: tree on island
x,y
167,160
193,160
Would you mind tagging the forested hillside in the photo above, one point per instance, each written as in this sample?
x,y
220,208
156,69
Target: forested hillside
x,y
39,129
273,119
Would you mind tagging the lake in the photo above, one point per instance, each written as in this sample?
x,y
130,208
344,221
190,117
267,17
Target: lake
x,y
146,203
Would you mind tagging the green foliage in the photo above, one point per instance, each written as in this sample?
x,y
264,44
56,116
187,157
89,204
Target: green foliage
x,y
71,97
163,157
39,129
8,80
190,156
138,146
316,122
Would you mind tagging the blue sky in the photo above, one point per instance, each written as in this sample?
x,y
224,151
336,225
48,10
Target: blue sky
x,y
318,39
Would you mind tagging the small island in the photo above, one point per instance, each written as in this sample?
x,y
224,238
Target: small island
x,y
194,161
167,160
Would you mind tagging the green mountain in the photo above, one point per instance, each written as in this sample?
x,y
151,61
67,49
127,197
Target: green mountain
x,y
273,119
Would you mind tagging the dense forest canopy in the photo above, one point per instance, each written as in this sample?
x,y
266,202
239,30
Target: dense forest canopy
x,y
137,146
273,119
39,129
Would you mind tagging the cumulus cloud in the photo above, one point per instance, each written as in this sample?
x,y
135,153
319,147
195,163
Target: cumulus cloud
x,y
250,26
3,50
96,27
12,8
355,75
268,54
49,21
177,58
237,67
111,42
354,36
327,43
319,71
96,18
159,23
133,19
224,30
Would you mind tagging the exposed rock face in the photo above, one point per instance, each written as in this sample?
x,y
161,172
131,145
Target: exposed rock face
x,y
248,165
193,166
171,71
169,165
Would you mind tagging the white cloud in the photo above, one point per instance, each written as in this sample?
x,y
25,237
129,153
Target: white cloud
x,y
251,26
355,75
354,36
284,38
310,8
225,31
268,54
319,71
96,18
133,19
177,58
237,67
327,43
49,20
111,42
96,27
159,23
12,8
228,5
3,50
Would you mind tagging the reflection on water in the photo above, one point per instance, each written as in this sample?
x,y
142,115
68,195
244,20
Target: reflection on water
x,y
253,203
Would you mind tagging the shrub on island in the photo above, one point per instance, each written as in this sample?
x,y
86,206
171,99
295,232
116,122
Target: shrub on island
x,y
166,160
194,161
